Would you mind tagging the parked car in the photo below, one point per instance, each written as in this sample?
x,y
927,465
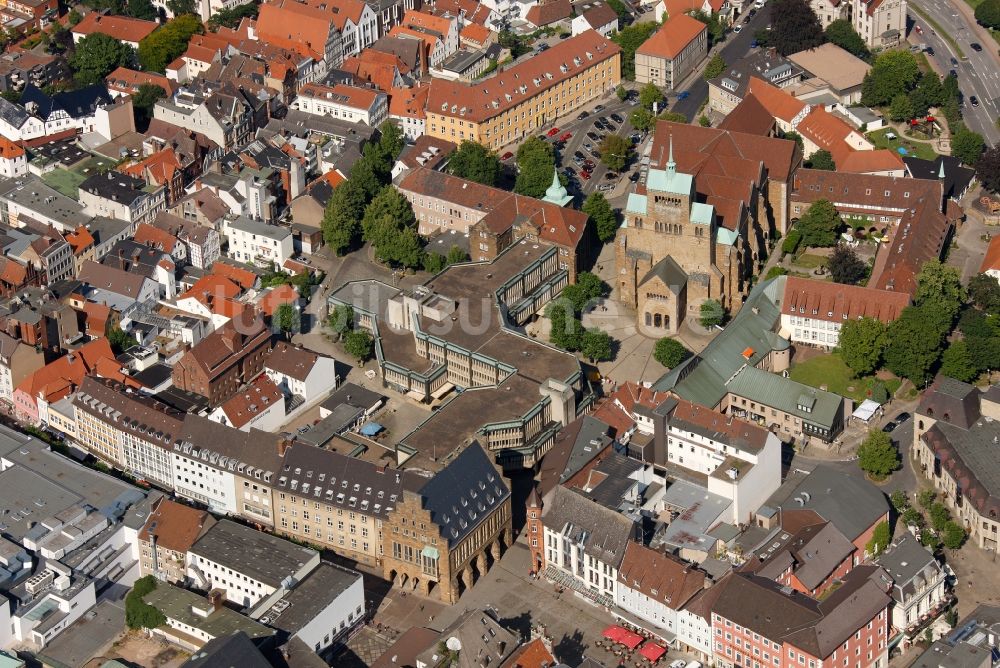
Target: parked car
x,y
976,46
585,175
569,171
566,137
588,147
611,127
954,62
543,47
929,51
599,108
617,119
506,156
920,31
953,73
974,101
683,95
606,187
583,115
596,154
759,4
902,417
553,132
589,164
303,429
594,136
636,137
610,176
739,26
633,177
889,426
677,663
753,44
752,13
578,154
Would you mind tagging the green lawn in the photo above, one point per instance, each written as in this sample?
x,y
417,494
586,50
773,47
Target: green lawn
x,y
831,372
808,261
919,149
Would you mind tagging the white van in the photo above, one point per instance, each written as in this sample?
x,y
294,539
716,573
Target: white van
x,y
694,664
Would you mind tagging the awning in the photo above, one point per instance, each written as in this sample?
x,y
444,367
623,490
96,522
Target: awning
x,y
866,410
371,428
652,651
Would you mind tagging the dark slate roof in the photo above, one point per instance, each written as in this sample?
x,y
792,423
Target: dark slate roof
x,y
76,103
464,493
604,533
910,565
850,502
14,114
576,445
968,645
951,401
228,652
956,177
116,186
669,272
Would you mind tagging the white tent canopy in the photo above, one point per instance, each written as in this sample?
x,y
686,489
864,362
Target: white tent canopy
x,y
866,410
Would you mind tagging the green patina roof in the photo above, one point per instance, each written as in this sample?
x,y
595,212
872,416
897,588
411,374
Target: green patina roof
x,y
175,603
727,237
787,395
636,204
669,182
702,214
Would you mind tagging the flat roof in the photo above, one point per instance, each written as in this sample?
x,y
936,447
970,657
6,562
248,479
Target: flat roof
x,y
318,590
258,555
176,603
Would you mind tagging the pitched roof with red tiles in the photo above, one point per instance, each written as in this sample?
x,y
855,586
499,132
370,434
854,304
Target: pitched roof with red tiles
x,y
125,80
488,98
678,7
9,150
532,655
122,28
350,96
97,317
376,67
442,25
244,278
160,167
409,102
251,401
59,377
147,234
211,288
600,15
870,162
428,39
476,33
469,10
295,26
777,102
275,297
836,302
660,576
673,37
175,526
543,14
80,239
992,258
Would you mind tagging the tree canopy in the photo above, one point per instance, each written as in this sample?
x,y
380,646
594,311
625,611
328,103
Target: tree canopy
x,y
711,313
877,456
359,344
862,343
879,540
642,119
536,163
894,72
231,18
716,30
629,39
820,224
988,168
846,267
957,362
97,55
967,145
670,352
163,45
475,162
596,345
649,95
616,151
984,291
794,27
603,216
822,159
843,34
715,67
143,101
141,9
988,14
138,613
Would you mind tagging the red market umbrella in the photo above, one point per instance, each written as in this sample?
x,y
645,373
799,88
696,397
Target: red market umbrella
x,y
652,651
631,640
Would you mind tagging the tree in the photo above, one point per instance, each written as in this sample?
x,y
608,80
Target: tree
x,y
822,159
433,262
642,119
624,14
342,218
588,288
912,518
119,340
673,117
926,498
596,345
862,343
670,352
143,101
880,539
984,291
915,340
141,9
475,162
988,168
901,108
96,56
456,255
715,67
711,313
621,93
929,540
603,216
368,173
394,242
893,72
877,456
389,203
231,18
967,145
615,152
649,95
138,613
846,267
843,34
794,27
988,14
939,515
940,285
178,7
391,142
704,121
74,17
900,501
928,93
716,31
953,535
629,39
565,331
820,224
341,319
957,362
536,164
163,45
358,343
286,317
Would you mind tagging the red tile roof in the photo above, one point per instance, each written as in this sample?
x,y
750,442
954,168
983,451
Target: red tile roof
x,y
554,10
251,401
834,302
244,278
992,258
9,149
351,96
295,26
175,526
80,240
409,102
476,33
147,234
125,80
870,162
275,297
121,28
778,103
160,167
673,37
58,378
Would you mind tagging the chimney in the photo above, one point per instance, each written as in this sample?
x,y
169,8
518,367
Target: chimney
x,y
283,445
217,597
121,259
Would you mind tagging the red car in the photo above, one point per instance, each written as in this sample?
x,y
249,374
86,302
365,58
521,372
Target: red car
x,y
552,133
566,137
585,175
506,156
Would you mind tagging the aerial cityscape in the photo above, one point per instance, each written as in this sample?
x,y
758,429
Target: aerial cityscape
x,y
500,333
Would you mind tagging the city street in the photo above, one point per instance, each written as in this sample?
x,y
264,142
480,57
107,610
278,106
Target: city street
x,y
734,48
977,75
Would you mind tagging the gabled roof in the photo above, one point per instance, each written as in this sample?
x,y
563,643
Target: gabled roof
x,y
605,533
147,234
992,258
122,28
175,526
673,37
409,102
251,401
159,167
661,577
275,297
58,378
835,302
777,102
549,12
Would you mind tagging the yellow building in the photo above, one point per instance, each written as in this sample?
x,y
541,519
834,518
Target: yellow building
x,y
517,101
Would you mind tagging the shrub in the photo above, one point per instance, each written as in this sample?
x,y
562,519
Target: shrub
x,y
791,242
